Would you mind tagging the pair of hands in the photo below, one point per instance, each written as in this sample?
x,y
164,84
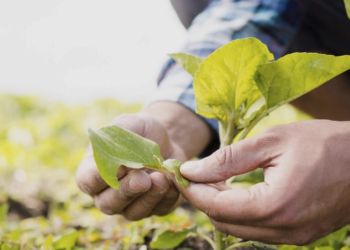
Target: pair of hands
x,y
305,195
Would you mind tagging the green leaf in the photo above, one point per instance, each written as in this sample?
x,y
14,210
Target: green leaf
x,y
347,7
225,80
190,63
114,146
169,239
345,248
67,241
173,166
324,248
294,75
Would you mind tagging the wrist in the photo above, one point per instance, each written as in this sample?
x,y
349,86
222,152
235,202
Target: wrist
x,y
184,127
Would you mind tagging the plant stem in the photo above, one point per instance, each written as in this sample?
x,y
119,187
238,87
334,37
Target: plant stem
x,y
219,243
251,126
210,241
241,244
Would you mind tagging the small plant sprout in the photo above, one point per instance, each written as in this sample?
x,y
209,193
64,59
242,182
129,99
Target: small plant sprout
x,y
228,84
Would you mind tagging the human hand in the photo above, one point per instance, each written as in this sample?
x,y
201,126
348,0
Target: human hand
x,y
306,192
142,192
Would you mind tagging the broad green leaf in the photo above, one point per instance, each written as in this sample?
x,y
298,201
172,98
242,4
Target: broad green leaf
x,y
67,241
345,248
190,63
114,146
169,239
225,80
296,74
347,7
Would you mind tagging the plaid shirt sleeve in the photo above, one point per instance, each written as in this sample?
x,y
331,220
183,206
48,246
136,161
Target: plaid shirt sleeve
x,y
274,22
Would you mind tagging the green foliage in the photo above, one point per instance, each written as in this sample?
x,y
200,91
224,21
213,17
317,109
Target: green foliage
x,y
169,239
114,146
234,78
296,74
347,6
189,62
66,241
225,80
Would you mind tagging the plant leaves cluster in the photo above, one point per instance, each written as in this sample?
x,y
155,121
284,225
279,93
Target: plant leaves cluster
x,y
238,75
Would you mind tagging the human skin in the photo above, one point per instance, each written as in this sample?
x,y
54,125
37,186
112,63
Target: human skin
x,y
306,190
182,135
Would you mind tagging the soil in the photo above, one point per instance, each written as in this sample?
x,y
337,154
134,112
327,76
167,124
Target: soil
x,y
194,243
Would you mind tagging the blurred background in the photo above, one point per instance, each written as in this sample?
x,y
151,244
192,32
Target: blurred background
x,y
79,51
66,66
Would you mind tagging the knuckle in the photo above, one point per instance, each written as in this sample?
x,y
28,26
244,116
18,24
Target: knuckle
x,y
103,207
271,135
215,215
147,202
223,156
131,216
171,196
126,196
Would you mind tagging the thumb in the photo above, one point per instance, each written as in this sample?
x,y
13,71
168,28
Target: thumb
x,y
238,158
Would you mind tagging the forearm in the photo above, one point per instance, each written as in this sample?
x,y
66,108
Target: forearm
x,y
184,127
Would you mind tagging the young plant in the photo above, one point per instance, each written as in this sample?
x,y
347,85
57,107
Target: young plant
x,y
227,85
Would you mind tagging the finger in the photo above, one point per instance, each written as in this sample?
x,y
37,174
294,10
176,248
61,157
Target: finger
x,y
238,158
145,203
133,185
237,206
170,201
87,176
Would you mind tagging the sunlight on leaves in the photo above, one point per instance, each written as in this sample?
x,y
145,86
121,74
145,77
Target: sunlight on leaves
x,y
225,80
294,75
189,62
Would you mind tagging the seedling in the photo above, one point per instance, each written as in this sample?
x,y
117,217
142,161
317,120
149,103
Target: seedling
x,y
227,85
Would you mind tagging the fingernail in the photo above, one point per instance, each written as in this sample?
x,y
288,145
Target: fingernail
x,y
191,167
136,186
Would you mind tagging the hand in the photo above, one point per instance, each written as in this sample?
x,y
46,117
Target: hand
x,y
306,192
143,192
